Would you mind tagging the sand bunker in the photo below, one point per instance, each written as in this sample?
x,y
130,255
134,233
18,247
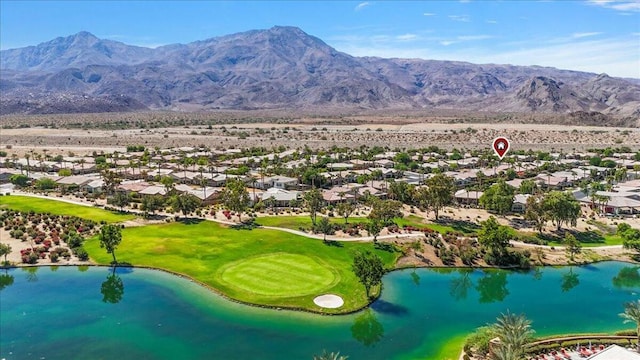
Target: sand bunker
x,y
329,301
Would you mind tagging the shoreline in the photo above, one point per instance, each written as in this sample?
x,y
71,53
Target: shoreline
x,y
299,309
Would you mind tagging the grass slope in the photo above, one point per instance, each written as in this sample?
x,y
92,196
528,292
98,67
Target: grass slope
x,y
27,203
207,251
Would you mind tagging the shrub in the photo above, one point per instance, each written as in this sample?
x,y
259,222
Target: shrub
x,y
81,253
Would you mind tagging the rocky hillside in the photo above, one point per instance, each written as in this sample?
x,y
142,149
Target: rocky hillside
x,y
283,67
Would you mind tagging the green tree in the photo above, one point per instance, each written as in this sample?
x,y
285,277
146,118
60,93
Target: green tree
x,y
65,172
325,227
632,314
313,203
498,198
110,237
19,180
235,196
514,332
185,203
151,204
561,208
369,269
167,182
120,199
439,193
528,186
5,249
373,227
112,289
401,191
385,211
45,184
494,236
345,209
572,246
535,212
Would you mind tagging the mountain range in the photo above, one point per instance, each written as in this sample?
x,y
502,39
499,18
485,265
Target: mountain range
x,y
283,67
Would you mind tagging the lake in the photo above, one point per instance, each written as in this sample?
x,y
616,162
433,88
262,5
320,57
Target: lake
x,y
92,313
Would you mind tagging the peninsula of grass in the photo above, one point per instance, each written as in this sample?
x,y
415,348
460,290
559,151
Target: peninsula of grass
x,y
259,266
56,207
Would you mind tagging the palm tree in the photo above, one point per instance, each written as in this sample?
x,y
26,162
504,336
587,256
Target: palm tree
x,y
632,314
514,331
330,356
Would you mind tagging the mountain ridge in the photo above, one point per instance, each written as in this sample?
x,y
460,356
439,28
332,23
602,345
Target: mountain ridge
x,y
285,67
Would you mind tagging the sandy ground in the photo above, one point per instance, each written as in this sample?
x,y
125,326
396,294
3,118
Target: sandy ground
x,y
414,135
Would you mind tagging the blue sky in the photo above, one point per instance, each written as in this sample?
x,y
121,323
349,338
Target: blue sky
x,y
596,36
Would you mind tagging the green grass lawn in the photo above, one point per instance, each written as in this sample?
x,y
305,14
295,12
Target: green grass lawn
x,y
259,266
27,203
297,222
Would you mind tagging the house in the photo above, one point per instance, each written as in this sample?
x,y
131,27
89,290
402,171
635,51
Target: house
x,y
93,187
153,190
337,195
280,182
280,197
520,203
465,197
73,181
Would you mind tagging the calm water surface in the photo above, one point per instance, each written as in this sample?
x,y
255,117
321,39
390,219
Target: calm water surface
x,y
91,313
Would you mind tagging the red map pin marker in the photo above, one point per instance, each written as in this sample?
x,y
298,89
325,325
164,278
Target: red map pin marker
x,y
501,146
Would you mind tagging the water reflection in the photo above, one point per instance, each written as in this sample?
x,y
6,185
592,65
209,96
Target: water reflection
x,y
460,286
5,280
415,277
112,289
367,329
83,268
537,273
31,273
569,280
492,287
628,277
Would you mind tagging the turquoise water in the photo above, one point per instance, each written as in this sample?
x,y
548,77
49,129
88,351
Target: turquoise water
x,y
90,313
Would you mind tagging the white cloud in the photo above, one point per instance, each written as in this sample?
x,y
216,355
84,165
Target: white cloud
x,y
491,22
461,18
362,5
474,37
429,14
613,56
584,34
619,5
407,37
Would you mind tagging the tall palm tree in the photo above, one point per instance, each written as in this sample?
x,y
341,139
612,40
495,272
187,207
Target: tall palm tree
x,y
632,314
514,331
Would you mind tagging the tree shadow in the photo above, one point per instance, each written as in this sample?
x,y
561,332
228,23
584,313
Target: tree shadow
x,y
518,223
189,221
333,243
388,247
463,226
385,307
